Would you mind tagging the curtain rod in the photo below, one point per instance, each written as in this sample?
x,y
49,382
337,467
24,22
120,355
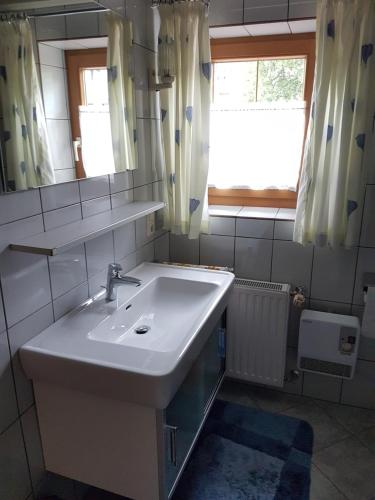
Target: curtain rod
x,y
20,15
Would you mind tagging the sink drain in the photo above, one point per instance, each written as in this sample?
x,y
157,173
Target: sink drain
x,y
142,329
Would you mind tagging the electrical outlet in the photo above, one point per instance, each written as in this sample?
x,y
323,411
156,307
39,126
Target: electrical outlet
x,y
150,225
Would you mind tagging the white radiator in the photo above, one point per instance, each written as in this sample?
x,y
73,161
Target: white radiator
x,y
257,331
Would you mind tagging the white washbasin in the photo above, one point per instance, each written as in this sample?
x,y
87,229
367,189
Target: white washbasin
x,y
95,347
166,307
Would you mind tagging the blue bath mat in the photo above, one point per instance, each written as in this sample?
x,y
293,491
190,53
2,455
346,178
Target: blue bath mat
x,y
247,454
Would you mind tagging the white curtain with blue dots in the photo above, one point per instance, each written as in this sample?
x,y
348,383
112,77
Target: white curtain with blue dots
x,y
121,93
184,52
24,133
339,150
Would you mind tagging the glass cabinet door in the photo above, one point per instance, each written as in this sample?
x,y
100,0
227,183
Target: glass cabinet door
x,y
186,411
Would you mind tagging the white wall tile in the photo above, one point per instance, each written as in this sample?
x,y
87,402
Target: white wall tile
x,y
368,225
124,241
67,270
162,248
224,12
366,264
286,214
97,282
184,250
54,92
302,26
141,237
95,206
143,193
258,212
99,253
81,25
66,175
51,56
19,334
2,316
264,29
120,181
333,274
253,258
8,407
94,187
302,8
291,263
122,198
70,300
14,206
360,390
140,12
225,226
265,10
14,474
224,211
62,216
330,307
322,387
255,228
284,230
216,250
293,385
145,253
59,195
60,139
144,61
228,31
50,28
24,277
128,263
33,445
143,174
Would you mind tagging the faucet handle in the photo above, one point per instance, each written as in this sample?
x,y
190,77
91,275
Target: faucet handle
x,y
114,268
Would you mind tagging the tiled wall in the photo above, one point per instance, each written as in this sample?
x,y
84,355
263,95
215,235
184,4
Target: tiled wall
x,y
224,12
257,243
36,290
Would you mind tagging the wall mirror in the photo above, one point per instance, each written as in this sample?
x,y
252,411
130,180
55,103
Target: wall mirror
x,y
84,124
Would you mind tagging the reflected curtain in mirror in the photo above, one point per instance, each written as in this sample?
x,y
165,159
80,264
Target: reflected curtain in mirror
x,y
121,93
24,134
185,114
341,135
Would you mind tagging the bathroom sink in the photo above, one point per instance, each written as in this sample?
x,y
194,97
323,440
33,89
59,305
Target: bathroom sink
x,y
139,347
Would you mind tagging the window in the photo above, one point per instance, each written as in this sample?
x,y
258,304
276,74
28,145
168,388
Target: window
x,y
260,106
89,111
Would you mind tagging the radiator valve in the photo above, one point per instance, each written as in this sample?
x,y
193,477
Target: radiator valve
x,y
298,297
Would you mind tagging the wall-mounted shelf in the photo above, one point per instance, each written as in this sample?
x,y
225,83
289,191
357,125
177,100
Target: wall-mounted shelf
x,y
60,239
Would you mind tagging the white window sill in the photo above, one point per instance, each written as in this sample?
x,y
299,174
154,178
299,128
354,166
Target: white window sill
x,y
252,212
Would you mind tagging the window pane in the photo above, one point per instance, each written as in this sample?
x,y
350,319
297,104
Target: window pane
x,y
235,83
95,86
281,80
257,124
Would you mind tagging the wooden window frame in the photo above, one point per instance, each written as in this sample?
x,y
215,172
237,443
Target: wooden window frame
x,y
255,48
75,61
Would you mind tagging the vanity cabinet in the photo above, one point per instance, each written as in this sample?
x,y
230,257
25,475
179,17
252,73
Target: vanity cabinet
x,y
127,448
186,413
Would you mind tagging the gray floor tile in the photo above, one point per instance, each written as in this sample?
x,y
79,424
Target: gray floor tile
x,y
321,488
326,430
350,466
272,400
355,420
236,392
367,437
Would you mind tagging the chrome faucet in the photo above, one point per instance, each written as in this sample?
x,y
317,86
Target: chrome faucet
x,y
115,279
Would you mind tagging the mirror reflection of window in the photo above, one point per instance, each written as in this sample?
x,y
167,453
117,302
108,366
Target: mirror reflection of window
x,y
94,121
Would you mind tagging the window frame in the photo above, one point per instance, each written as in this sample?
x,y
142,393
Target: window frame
x,y
255,48
75,61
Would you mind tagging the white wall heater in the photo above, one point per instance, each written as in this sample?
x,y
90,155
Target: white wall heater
x,y
257,327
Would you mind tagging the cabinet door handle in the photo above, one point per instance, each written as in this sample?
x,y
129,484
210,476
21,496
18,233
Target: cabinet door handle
x,y
172,443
